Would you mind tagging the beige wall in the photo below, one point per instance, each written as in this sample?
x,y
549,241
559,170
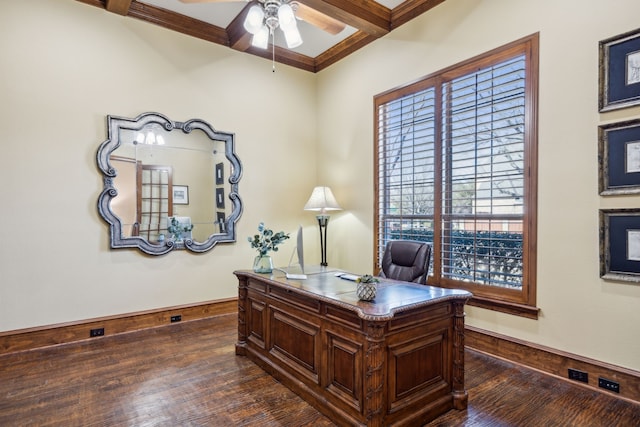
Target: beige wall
x,y
66,65
579,312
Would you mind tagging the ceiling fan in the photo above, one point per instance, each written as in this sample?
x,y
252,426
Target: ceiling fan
x,y
264,16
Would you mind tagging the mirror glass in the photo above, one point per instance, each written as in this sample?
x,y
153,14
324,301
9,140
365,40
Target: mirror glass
x,y
168,185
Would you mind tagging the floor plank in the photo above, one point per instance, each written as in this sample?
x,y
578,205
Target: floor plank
x,y
187,374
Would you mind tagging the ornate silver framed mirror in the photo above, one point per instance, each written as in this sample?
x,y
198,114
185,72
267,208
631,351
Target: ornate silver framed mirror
x,y
168,185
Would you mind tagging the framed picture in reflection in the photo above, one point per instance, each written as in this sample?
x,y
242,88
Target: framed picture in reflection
x,y
180,194
221,220
219,173
220,198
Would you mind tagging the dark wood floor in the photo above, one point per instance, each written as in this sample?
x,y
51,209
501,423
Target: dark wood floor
x,y
187,374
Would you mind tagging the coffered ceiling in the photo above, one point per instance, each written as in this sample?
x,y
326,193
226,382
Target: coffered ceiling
x,y
359,22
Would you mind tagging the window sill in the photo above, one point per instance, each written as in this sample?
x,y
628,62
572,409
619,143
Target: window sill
x,y
505,307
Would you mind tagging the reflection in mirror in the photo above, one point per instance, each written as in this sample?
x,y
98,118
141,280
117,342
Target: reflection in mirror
x,y
168,185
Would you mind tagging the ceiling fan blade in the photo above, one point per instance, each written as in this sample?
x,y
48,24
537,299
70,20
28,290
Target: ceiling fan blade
x,y
317,19
209,1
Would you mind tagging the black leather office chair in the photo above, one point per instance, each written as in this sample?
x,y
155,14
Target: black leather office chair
x,y
406,260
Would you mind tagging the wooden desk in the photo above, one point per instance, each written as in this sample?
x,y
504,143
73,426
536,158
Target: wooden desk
x,y
398,360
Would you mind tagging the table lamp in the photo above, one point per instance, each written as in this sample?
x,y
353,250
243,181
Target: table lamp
x,y
322,200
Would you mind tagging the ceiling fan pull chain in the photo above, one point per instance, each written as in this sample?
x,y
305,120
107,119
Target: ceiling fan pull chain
x,y
273,52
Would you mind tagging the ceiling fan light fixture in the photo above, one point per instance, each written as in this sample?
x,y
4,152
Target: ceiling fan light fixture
x,y
261,38
293,37
286,17
253,21
263,19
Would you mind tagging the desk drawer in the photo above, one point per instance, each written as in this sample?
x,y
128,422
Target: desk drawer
x,y
420,316
346,317
257,286
294,298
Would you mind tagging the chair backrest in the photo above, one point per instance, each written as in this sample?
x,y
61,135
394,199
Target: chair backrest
x,y
406,260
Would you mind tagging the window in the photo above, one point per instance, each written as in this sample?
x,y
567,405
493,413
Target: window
x,y
456,166
156,200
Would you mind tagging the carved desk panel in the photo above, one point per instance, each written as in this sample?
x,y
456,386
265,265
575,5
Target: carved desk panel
x,y
398,360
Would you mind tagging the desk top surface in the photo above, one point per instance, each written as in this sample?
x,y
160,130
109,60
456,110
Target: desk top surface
x,y
391,297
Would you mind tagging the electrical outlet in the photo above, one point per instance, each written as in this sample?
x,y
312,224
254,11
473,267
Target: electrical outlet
x,y
577,375
98,332
176,318
609,385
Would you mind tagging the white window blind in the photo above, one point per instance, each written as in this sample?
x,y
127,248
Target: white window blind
x,y
407,161
451,171
483,175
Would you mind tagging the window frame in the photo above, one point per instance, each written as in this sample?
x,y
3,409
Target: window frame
x,y
517,302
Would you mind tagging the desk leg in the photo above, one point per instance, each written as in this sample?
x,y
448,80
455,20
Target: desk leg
x,y
374,375
241,345
460,396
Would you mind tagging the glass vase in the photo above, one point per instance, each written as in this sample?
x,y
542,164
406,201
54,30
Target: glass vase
x,y
263,264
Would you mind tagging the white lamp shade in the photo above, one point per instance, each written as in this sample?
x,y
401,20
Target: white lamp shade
x,y
286,18
150,139
261,38
292,36
322,200
253,21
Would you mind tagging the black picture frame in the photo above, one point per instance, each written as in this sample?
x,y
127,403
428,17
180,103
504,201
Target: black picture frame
x,y
619,83
219,173
220,198
619,158
221,220
620,245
